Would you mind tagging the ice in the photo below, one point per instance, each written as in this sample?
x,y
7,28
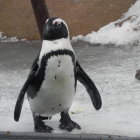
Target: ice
x,y
111,68
121,32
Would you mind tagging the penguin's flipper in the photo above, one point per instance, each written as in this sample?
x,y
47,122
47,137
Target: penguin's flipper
x,y
89,85
20,99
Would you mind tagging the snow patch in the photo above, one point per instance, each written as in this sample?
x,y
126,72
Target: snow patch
x,y
9,39
123,31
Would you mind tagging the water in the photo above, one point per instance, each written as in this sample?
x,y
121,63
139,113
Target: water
x,y
112,68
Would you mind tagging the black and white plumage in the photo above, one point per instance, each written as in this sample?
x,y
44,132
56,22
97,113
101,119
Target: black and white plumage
x,y
51,83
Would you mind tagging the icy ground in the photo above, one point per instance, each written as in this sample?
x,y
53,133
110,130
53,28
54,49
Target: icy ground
x,y
112,69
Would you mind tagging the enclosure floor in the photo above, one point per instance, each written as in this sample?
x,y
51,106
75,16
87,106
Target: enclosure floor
x,y
112,68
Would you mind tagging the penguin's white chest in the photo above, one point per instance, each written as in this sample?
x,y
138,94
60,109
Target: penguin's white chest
x,y
57,91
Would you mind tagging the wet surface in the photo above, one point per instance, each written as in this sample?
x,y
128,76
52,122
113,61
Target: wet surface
x,y
111,67
18,55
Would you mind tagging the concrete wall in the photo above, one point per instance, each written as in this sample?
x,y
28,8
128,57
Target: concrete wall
x,y
82,16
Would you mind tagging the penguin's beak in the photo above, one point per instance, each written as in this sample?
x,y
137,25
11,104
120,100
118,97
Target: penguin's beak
x,y
50,28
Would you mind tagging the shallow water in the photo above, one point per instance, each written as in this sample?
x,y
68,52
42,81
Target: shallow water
x,y
112,68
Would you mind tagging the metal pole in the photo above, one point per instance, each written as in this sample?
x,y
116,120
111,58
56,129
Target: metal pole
x,y
41,14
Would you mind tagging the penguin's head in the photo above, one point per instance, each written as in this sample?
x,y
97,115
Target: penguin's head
x,y
54,29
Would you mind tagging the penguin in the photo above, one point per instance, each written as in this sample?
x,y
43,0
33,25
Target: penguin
x,y
52,80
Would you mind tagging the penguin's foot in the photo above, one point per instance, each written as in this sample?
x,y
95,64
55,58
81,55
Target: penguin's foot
x,y
69,126
39,125
66,123
43,128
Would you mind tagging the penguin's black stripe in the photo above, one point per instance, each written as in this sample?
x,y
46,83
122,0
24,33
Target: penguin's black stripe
x,y
39,78
61,52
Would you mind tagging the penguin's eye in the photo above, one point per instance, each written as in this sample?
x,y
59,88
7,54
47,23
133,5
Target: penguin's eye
x,y
57,25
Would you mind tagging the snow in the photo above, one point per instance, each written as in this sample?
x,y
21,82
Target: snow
x,y
123,31
9,39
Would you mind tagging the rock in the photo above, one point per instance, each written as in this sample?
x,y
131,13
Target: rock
x,y
137,76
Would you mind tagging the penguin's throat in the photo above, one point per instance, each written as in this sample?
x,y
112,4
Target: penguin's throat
x,y
60,44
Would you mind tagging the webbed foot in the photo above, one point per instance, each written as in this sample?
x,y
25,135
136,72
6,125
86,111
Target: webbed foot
x,y
66,123
39,125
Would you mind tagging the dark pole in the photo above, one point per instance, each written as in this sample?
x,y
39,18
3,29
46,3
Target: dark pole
x,y
41,14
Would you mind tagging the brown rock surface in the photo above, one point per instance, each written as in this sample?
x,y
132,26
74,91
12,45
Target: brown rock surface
x,y
82,16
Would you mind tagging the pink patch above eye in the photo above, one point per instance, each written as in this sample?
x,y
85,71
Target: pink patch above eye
x,y
57,21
